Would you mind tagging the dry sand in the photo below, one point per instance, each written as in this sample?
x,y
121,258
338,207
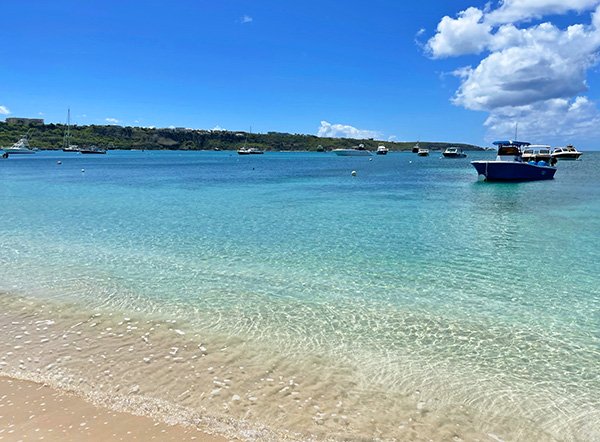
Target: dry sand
x,y
31,411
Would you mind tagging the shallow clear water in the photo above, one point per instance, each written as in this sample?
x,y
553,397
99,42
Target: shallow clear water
x,y
413,272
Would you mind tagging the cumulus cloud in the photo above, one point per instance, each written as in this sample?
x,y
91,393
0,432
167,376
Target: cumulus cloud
x,y
4,110
519,10
218,128
112,120
557,118
246,19
538,67
467,34
344,131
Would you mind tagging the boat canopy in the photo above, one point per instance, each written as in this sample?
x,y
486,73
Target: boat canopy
x,y
511,143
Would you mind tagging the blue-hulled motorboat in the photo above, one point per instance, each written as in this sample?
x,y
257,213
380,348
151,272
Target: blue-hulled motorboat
x,y
509,165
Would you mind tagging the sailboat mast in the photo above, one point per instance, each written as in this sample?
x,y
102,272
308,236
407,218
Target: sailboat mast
x,y
67,131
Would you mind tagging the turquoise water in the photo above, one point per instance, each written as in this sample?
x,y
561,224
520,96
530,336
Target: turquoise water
x,y
413,272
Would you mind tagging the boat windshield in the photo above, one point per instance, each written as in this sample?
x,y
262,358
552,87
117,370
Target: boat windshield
x,y
508,150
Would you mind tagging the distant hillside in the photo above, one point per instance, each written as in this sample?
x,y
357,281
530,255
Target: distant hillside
x,y
50,136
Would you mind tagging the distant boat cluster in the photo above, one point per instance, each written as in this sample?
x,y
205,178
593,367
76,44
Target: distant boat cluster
x,y
515,161
523,161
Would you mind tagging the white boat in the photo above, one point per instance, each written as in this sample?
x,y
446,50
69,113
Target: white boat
x,y
67,147
358,151
454,152
537,152
92,150
422,152
382,150
566,153
20,147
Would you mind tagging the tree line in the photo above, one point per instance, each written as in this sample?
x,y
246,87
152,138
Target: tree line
x,y
51,136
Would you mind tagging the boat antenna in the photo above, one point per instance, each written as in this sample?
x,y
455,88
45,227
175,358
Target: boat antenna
x,y
516,129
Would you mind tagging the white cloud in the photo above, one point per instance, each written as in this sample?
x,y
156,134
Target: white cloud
x,y
217,127
111,120
552,119
4,110
532,73
466,34
246,19
344,131
518,10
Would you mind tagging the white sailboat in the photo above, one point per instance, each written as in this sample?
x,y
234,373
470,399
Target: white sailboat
x,y
67,147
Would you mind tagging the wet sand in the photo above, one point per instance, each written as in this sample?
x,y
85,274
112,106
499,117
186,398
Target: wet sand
x,y
31,411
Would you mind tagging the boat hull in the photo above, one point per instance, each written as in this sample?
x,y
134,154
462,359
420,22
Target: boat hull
x,y
567,156
513,171
351,153
19,151
454,155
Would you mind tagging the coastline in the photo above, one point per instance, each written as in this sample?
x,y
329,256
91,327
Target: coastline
x,y
30,410
155,369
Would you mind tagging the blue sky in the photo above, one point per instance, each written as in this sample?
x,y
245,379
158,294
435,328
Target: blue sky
x,y
265,65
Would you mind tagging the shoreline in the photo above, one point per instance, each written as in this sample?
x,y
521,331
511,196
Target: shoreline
x,y
164,371
33,410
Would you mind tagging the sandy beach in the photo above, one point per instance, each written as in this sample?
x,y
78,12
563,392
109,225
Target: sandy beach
x,y
32,411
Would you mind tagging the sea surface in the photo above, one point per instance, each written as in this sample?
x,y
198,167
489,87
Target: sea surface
x,y
278,296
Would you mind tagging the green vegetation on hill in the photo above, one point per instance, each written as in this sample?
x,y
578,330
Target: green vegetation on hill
x,y
50,136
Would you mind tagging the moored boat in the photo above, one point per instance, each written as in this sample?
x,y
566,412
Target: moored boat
x,y
454,152
20,147
382,150
537,152
415,148
423,152
249,151
509,165
358,151
92,150
569,152
67,146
